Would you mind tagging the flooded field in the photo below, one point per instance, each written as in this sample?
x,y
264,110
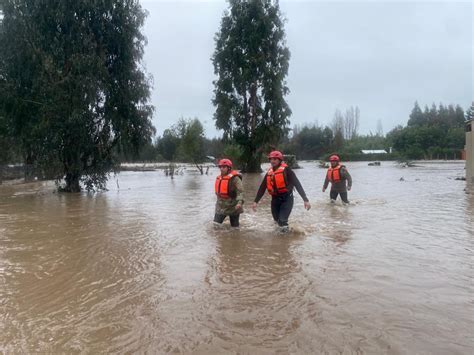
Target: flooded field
x,y
142,269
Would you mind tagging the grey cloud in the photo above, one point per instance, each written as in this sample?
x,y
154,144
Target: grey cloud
x,y
379,56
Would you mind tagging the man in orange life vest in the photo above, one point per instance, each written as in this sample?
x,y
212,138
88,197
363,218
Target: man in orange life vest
x,y
340,179
279,181
229,191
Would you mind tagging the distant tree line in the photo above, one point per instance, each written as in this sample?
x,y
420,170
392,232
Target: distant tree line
x,y
432,133
183,141
74,97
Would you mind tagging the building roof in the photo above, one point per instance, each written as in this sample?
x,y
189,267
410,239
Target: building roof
x,y
373,151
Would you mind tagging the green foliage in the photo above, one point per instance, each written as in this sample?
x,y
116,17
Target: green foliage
x,y
441,116
251,62
75,89
234,153
370,141
416,116
184,141
315,142
191,147
434,139
168,144
4,138
470,113
148,153
5,144
434,133
214,147
309,142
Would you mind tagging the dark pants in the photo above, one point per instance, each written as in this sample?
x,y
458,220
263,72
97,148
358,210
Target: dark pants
x,y
333,195
281,208
234,219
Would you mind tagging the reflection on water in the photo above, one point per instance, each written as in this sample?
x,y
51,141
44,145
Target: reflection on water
x,y
143,268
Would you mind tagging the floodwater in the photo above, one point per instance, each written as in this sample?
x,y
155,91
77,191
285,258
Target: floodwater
x,y
141,269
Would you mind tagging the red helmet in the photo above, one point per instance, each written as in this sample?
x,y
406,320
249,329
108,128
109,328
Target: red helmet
x,y
225,162
275,154
334,158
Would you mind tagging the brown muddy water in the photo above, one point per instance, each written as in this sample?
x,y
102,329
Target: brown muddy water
x,y
142,269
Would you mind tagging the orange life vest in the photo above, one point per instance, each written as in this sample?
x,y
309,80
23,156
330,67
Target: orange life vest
x,y
276,180
223,183
334,174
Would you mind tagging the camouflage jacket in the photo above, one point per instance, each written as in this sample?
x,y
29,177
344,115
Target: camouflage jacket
x,y
226,206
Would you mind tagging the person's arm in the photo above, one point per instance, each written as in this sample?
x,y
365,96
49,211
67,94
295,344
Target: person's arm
x,y
348,177
239,191
326,183
261,189
292,179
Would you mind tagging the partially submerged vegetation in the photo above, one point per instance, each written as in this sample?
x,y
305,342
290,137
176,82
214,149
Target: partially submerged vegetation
x,y
418,140
73,115
70,109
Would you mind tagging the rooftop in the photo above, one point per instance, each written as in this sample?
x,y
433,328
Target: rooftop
x,y
373,151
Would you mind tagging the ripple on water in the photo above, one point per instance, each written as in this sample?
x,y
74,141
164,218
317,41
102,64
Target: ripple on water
x,y
143,268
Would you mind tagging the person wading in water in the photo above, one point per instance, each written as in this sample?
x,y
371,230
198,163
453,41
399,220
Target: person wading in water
x,y
229,191
340,179
279,181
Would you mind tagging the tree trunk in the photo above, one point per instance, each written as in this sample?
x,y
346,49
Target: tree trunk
x,y
29,168
246,110
200,169
72,183
253,103
252,162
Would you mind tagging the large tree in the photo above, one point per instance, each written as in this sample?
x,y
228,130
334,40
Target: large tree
x,y
76,89
185,141
470,113
416,116
192,142
168,144
251,62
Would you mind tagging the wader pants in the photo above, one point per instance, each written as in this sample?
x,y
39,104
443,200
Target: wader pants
x,y
333,195
281,208
234,219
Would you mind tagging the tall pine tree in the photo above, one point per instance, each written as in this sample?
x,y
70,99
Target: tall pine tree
x,y
470,113
416,116
251,62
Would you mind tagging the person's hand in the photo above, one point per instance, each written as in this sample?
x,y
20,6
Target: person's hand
x,y
307,205
349,188
254,206
324,189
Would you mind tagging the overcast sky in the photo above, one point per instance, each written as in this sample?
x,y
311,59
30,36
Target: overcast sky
x,y
380,56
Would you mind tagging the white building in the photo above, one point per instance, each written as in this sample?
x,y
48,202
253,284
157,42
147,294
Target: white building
x,y
374,151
